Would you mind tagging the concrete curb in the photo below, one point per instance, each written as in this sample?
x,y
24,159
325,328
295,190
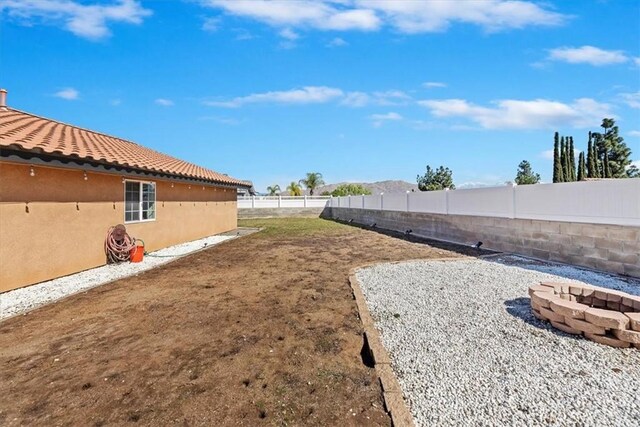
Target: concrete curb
x,y
391,391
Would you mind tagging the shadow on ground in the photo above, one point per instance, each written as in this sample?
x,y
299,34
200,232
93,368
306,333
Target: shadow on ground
x,y
521,308
438,244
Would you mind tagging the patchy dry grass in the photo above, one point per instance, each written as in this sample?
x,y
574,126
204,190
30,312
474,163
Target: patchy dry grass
x,y
258,330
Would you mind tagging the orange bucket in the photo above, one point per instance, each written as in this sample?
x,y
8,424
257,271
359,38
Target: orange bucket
x,y
137,253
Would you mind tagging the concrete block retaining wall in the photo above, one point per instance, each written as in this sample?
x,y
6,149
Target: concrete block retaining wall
x,y
247,213
611,248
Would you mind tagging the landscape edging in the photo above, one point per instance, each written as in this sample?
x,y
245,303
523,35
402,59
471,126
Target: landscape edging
x,y
391,391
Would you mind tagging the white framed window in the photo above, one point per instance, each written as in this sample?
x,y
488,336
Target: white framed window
x,y
139,201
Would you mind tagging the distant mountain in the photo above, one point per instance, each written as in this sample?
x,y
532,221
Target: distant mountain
x,y
375,187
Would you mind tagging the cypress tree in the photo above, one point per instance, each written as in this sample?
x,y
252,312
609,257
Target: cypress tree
x,y
557,167
563,160
581,167
596,162
590,160
572,160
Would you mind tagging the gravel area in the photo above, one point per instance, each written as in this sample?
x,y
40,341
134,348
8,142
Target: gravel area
x,y
22,300
467,351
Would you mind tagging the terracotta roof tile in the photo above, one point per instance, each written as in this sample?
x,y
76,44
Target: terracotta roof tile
x,y
29,132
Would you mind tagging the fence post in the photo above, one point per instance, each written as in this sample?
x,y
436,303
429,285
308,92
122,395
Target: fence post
x,y
513,197
279,200
408,192
253,201
305,201
446,196
381,201
363,201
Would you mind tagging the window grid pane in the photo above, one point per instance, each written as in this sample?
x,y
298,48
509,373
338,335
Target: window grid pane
x,y
140,201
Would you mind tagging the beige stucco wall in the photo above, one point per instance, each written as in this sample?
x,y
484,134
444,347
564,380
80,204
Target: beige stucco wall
x,y
54,224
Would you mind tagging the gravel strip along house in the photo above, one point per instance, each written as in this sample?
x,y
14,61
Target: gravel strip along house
x,y
64,186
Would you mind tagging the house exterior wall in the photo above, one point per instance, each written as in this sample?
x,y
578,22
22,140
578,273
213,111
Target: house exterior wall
x,y
54,223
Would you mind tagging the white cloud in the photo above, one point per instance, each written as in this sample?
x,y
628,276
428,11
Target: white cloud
x,y
636,61
379,119
242,34
438,15
289,37
430,85
416,16
211,24
587,55
304,13
385,98
289,34
164,102
519,114
318,95
337,42
631,99
115,102
634,133
69,93
305,95
547,154
356,99
88,21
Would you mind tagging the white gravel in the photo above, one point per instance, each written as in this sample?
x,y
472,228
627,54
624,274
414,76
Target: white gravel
x,y
25,299
468,352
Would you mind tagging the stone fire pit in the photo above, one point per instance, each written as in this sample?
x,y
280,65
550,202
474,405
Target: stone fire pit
x,y
602,315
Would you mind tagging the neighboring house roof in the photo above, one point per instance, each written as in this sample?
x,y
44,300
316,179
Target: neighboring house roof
x,y
28,132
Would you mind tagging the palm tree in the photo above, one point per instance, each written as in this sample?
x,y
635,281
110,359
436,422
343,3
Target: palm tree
x,y
313,181
294,189
273,189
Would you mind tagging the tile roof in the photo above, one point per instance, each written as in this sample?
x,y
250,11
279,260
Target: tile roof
x,y
24,131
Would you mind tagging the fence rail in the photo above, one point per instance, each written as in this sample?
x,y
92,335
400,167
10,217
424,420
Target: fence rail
x,y
257,202
615,201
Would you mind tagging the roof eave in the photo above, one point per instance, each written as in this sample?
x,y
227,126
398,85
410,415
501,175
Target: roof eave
x,y
20,155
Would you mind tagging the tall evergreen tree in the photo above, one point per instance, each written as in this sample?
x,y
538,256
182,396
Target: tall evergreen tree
x,y
563,159
557,166
607,167
590,160
526,175
572,160
436,179
611,145
596,162
582,169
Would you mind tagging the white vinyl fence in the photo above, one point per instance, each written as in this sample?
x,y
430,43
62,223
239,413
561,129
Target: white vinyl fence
x,y
615,201
254,202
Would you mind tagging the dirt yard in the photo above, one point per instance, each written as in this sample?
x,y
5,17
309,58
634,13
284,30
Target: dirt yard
x,y
260,330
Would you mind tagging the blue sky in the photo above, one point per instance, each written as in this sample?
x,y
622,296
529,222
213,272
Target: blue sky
x,y
356,90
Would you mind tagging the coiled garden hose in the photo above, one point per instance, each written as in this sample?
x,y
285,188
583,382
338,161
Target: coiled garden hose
x,y
118,244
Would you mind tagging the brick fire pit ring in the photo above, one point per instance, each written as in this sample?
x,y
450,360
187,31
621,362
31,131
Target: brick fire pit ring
x,y
602,315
